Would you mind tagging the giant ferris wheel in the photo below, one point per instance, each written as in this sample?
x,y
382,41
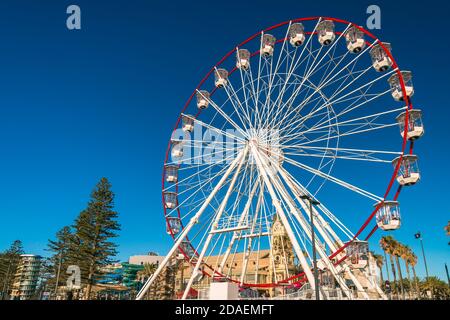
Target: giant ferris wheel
x,y
288,125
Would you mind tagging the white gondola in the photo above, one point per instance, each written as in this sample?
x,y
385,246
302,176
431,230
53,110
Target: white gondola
x,y
268,45
358,253
355,40
202,99
396,88
171,173
186,247
296,34
388,215
170,200
221,78
380,59
177,149
243,59
408,173
415,125
325,32
188,123
173,225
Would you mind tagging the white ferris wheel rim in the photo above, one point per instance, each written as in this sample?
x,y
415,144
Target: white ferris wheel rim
x,y
394,69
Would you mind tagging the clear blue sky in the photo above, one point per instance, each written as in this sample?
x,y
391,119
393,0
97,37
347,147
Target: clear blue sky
x,y
79,105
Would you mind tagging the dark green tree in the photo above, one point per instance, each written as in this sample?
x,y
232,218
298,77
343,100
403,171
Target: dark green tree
x,y
94,230
61,249
9,261
44,279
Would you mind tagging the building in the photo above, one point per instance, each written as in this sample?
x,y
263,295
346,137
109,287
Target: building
x,y
26,277
283,256
150,258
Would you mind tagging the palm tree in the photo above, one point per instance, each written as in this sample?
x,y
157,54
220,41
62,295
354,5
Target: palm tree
x,y
413,262
405,254
386,244
439,289
147,272
387,265
397,251
379,260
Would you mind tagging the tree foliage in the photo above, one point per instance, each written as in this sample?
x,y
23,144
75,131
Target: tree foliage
x,y
96,226
60,259
9,261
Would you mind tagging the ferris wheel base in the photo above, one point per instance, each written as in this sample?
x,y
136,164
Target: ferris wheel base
x,y
223,291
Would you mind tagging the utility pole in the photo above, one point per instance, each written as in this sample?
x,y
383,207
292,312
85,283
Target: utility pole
x,y
313,241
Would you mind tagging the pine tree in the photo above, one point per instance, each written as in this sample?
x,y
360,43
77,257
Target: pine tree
x,y
44,279
94,229
9,261
60,260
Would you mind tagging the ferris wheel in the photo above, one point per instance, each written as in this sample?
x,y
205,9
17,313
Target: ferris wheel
x,y
290,124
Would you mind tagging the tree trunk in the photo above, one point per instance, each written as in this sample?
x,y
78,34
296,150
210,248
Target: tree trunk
x,y
409,278
416,282
381,277
90,279
57,275
6,284
397,262
88,290
393,273
387,266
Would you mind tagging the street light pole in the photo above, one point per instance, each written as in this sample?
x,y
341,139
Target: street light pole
x,y
448,277
313,241
418,235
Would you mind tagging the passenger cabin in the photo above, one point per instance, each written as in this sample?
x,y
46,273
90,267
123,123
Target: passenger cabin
x,y
408,172
173,225
414,128
177,149
268,45
354,38
170,200
396,87
221,77
202,99
187,123
380,59
186,247
296,34
388,215
243,59
358,253
325,32
171,173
